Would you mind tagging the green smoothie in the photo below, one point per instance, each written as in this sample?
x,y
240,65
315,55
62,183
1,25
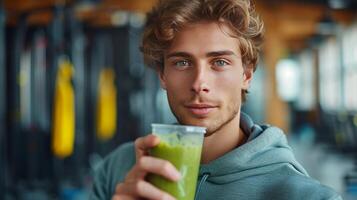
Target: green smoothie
x,y
184,152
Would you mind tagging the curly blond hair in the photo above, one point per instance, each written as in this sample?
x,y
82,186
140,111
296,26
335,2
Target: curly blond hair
x,y
169,16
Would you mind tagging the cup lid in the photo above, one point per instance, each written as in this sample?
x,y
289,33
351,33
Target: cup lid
x,y
197,129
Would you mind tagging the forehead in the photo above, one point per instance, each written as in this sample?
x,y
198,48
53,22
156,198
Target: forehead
x,y
202,37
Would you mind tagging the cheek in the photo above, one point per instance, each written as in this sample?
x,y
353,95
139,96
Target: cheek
x,y
176,87
230,84
176,82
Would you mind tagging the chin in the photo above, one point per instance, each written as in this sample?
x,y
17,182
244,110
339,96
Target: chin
x,y
203,122
211,122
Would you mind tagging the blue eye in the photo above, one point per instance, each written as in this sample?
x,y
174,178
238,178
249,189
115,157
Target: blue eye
x,y
181,63
220,63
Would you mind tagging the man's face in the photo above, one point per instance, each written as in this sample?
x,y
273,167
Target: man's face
x,y
204,76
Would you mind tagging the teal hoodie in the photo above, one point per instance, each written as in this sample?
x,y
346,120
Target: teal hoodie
x,y
262,168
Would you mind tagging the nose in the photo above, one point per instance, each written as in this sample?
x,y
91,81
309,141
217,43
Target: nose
x,y
200,82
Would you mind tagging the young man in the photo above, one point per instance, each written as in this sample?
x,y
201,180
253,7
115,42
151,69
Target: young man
x,y
205,53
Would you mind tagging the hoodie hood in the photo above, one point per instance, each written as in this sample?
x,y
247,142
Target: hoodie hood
x,y
265,150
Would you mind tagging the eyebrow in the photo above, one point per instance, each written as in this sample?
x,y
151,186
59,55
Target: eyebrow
x,y
220,53
209,54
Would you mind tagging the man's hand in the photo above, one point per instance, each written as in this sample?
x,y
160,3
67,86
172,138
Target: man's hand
x,y
134,185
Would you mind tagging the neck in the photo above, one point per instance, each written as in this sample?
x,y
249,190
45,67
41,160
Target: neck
x,y
227,138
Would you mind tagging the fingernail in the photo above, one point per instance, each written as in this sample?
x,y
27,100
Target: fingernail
x,y
168,197
155,139
176,175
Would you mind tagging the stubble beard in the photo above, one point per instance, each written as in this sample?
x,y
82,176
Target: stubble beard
x,y
214,124
218,124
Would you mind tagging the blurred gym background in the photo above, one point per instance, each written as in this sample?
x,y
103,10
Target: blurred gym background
x,y
73,87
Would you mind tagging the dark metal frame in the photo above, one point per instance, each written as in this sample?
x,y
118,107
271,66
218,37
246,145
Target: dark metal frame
x,y
2,105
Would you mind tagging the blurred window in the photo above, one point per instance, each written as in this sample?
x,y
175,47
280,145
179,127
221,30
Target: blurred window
x,y
349,41
287,73
306,98
330,75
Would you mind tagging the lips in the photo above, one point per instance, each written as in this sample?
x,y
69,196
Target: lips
x,y
200,109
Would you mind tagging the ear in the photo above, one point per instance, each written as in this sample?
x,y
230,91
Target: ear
x,y
247,77
161,75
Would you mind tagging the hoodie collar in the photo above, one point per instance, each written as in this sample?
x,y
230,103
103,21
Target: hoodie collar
x,y
265,149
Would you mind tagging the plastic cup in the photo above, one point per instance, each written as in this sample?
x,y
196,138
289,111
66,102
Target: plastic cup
x,y
182,146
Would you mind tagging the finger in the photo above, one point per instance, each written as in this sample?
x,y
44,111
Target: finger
x,y
142,189
122,197
148,164
136,173
160,167
143,144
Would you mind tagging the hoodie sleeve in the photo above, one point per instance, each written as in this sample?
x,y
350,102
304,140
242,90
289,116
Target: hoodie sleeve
x,y
326,193
99,189
336,197
112,171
